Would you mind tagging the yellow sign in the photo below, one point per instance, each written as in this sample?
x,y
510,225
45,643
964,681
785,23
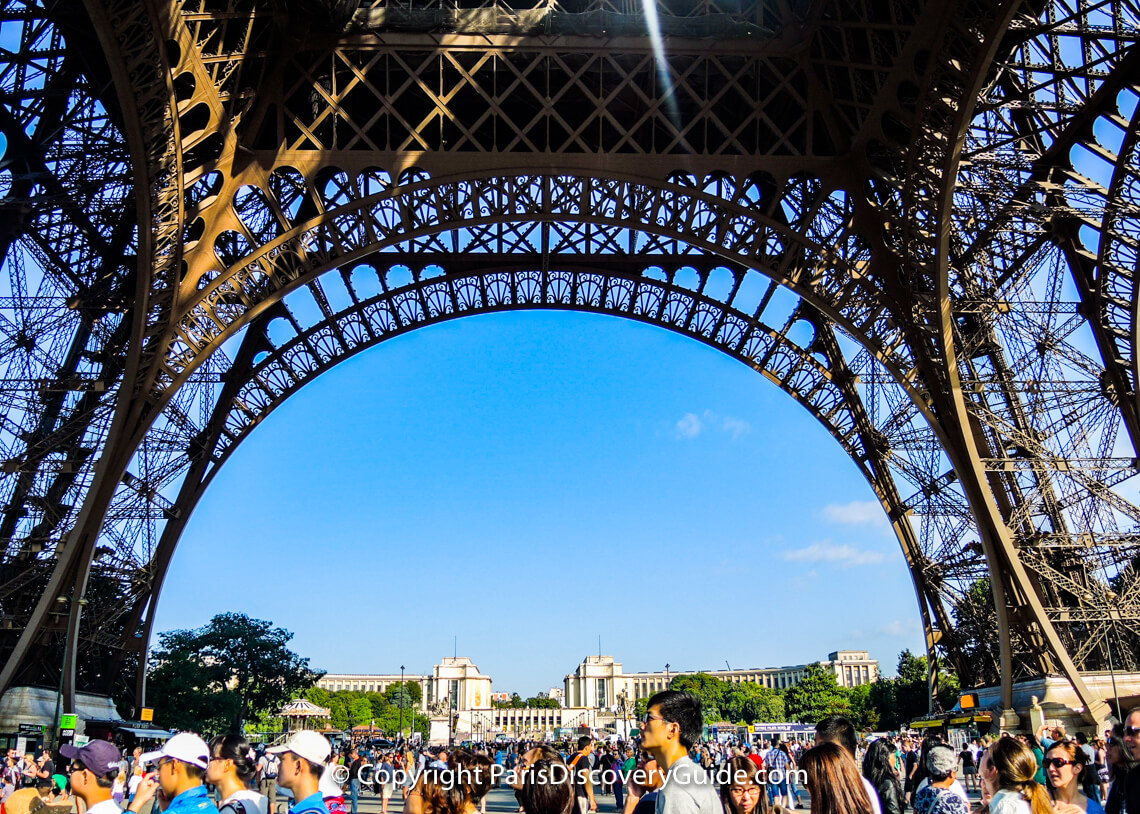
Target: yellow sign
x,y
925,724
956,721
146,714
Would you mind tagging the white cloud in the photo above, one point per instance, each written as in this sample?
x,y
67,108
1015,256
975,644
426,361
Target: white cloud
x,y
691,425
827,551
735,427
855,513
901,628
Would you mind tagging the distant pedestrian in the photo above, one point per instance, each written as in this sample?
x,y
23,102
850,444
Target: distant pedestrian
x,y
354,764
580,771
776,763
268,765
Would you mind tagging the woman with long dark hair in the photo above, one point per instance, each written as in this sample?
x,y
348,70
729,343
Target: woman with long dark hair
x,y
833,781
879,768
742,790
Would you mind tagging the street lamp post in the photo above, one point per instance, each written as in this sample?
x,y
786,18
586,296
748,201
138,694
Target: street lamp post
x,y
403,689
1111,595
666,675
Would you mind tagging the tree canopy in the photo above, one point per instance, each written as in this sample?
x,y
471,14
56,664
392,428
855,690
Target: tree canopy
x,y
215,678
816,696
349,708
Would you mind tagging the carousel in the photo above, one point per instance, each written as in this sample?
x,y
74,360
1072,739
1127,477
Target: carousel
x,y
299,712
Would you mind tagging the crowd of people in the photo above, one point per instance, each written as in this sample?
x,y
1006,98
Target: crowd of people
x,y
668,771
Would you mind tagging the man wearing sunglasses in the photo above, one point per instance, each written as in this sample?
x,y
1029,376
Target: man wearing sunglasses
x,y
92,774
1124,796
178,785
671,727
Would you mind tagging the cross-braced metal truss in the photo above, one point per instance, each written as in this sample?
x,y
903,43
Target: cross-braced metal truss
x,y
917,219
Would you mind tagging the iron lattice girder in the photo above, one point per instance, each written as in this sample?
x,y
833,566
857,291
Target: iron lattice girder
x,y
831,186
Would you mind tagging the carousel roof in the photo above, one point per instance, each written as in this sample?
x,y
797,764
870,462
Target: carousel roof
x,y
300,708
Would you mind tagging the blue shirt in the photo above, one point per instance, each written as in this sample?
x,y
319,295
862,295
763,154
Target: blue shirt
x,y
314,803
192,801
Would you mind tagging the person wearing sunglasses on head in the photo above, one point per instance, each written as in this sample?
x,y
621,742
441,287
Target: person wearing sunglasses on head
x,y
92,774
1066,771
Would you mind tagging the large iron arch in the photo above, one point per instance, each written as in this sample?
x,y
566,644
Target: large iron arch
x,y
264,375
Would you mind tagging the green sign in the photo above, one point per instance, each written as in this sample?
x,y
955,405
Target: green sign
x,y
70,721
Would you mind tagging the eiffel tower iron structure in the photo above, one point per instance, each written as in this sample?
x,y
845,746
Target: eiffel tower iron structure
x,y
917,218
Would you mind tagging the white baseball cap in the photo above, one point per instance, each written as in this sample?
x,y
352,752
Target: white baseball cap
x,y
306,744
184,746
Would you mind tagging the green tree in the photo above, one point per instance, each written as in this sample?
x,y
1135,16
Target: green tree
x,y
881,698
816,696
409,691
640,709
709,689
338,710
216,677
750,703
359,710
534,702
912,692
319,696
863,712
975,631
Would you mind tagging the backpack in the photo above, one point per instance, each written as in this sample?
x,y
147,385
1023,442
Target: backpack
x,y
241,808
575,781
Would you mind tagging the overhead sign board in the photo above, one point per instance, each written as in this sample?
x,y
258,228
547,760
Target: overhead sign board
x,y
773,729
68,721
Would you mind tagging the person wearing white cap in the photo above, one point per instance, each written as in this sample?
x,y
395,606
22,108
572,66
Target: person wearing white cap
x,y
177,784
303,759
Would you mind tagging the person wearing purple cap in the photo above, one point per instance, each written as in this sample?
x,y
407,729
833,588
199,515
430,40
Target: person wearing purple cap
x,y
92,774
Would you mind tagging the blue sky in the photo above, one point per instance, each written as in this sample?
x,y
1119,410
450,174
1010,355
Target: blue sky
x,y
528,481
